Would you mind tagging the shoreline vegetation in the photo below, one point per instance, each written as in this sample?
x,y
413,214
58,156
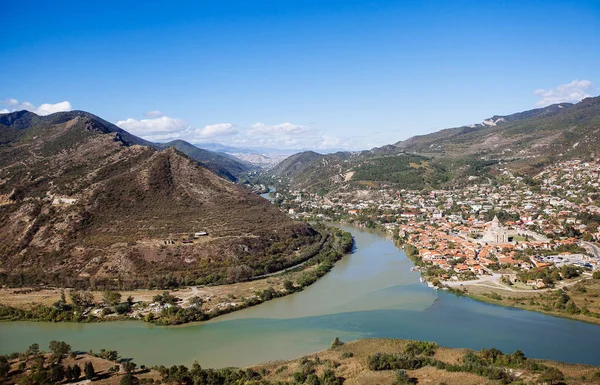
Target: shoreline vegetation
x,y
372,361
179,306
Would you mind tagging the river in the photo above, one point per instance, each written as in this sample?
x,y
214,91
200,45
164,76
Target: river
x,y
267,195
369,293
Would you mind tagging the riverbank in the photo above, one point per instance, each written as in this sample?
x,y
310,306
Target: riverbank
x,y
381,361
576,298
195,303
579,301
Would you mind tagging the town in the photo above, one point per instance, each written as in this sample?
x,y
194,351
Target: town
x,y
504,230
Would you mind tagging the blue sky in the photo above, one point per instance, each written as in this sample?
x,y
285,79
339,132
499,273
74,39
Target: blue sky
x,y
297,74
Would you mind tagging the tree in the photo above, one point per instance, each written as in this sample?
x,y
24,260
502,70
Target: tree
x,y
336,342
61,304
4,366
81,299
111,298
196,301
59,350
69,373
552,376
33,350
289,285
128,366
89,371
123,308
111,355
569,271
164,298
76,372
129,379
57,373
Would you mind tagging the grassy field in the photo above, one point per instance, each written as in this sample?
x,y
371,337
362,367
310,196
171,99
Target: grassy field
x,y
350,361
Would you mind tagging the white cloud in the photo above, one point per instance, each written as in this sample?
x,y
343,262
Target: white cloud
x,y
42,109
282,136
47,109
214,130
283,128
4,111
286,136
154,114
568,92
166,128
157,129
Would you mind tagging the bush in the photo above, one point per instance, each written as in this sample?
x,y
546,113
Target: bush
x,y
416,348
123,308
336,343
129,379
402,378
382,361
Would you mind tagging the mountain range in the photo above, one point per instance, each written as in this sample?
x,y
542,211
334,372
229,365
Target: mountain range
x,y
525,142
84,203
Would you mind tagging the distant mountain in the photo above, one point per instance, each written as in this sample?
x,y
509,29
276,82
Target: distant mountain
x,y
86,204
258,157
538,112
218,147
559,131
297,164
259,160
222,164
365,169
525,141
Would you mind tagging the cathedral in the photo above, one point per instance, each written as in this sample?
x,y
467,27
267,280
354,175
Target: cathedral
x,y
495,232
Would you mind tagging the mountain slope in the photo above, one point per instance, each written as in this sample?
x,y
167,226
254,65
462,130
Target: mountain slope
x,y
17,122
525,141
553,132
82,206
222,164
296,164
348,170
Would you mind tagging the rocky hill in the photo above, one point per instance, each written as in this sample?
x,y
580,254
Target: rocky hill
x,y
84,203
525,141
222,164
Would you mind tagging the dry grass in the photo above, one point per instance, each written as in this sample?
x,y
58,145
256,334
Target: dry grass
x,y
101,367
356,372
355,369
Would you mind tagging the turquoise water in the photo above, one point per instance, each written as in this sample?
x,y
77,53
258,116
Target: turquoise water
x,y
369,293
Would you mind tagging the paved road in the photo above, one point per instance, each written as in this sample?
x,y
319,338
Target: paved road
x,y
538,237
590,246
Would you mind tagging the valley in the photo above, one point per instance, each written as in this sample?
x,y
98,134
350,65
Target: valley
x,y
300,193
